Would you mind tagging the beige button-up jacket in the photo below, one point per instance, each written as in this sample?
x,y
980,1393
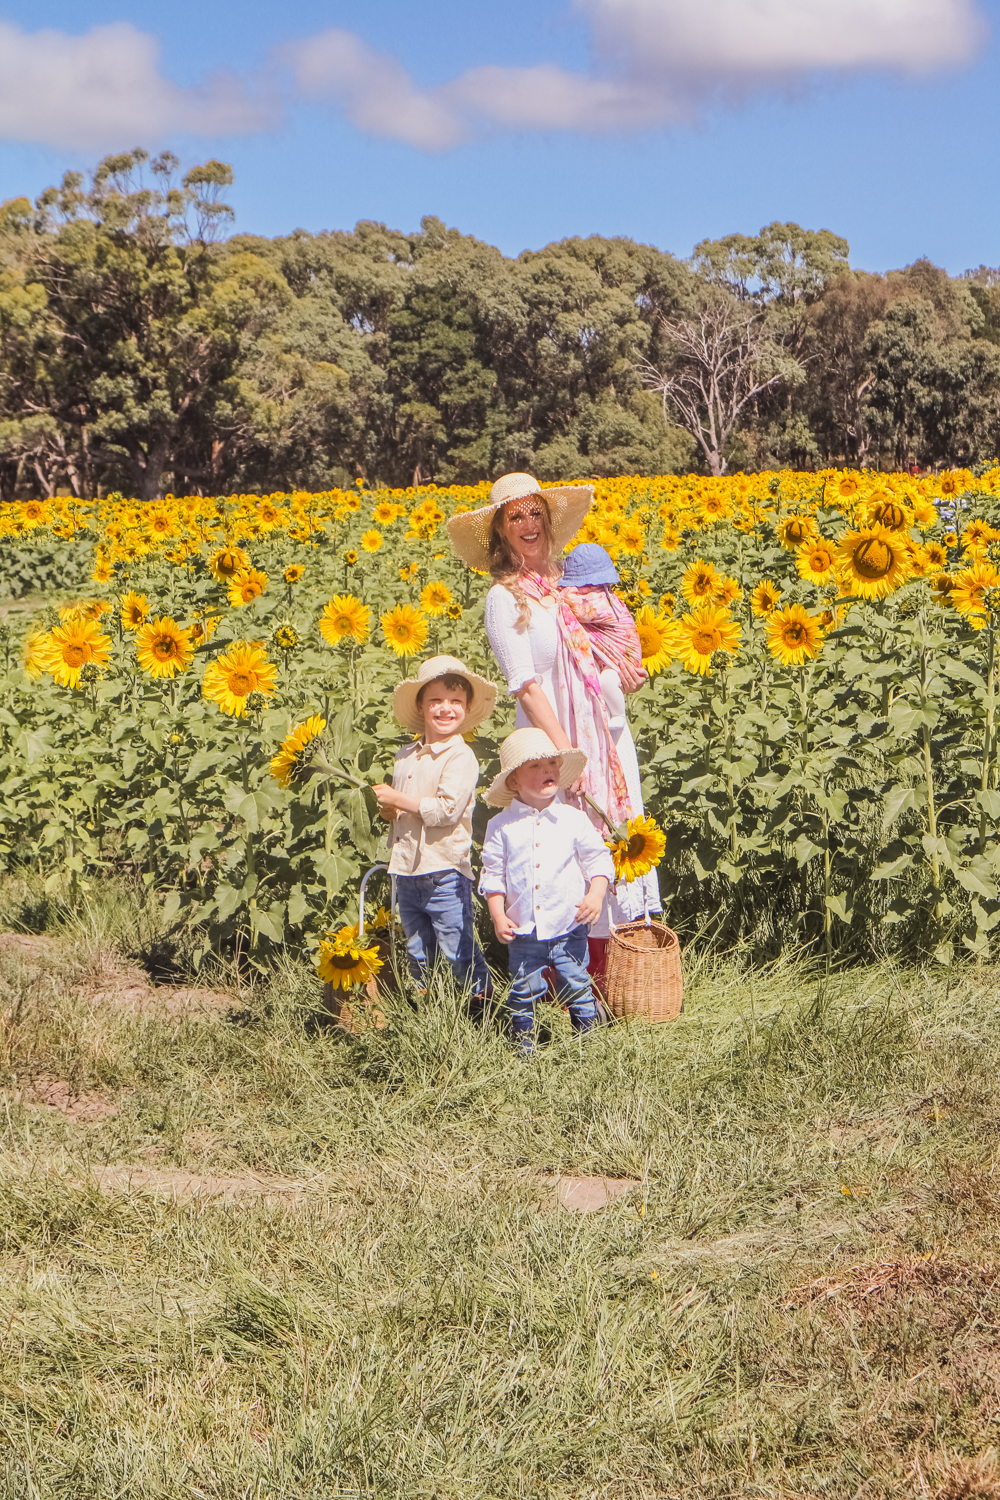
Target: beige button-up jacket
x,y
439,837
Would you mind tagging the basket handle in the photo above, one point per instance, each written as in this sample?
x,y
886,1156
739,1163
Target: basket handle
x,y
361,896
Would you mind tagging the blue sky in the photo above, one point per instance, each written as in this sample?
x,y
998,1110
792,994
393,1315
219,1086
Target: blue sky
x,y
665,120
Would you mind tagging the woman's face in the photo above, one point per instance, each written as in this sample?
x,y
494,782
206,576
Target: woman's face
x,y
523,525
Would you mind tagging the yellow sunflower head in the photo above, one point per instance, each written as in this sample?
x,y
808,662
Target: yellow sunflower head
x,y
795,531
703,632
793,635
657,639
241,670
371,541
668,603
227,562
344,962
727,591
133,610
71,647
384,513
874,561
816,561
345,616
764,598
289,763
641,848
404,628
293,573
698,582
248,585
435,598
162,648
968,594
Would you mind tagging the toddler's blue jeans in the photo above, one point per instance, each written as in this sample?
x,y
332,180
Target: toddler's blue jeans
x,y
436,913
529,958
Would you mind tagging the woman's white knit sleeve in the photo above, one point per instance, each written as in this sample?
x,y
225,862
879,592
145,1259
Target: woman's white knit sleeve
x,y
510,640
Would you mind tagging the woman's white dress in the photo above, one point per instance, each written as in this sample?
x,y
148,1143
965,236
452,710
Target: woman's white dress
x,y
530,654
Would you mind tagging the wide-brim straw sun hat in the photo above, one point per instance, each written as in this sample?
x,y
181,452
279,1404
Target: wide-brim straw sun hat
x,y
568,504
531,744
405,693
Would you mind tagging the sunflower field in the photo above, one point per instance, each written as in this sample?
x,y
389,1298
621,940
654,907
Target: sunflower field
x,y
196,691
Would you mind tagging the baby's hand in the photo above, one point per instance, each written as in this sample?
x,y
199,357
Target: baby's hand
x,y
504,929
632,677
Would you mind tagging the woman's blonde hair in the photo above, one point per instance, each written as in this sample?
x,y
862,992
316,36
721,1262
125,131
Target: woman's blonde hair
x,y
506,566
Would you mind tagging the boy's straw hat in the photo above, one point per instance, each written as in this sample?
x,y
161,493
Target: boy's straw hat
x,y
404,697
531,744
568,504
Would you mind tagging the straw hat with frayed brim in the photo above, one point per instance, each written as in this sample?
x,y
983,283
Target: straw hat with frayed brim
x,y
568,504
531,744
404,697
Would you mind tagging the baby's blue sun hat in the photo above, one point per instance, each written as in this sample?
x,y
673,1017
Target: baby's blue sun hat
x,y
587,563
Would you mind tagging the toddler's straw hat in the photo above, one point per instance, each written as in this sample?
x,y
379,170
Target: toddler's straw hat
x,y
531,744
404,697
568,504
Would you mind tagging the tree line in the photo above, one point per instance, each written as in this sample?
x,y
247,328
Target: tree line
x,y
144,347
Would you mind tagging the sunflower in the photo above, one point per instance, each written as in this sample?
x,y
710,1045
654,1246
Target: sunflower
x,y
816,561
70,647
454,610
937,556
102,571
35,658
133,610
968,589
162,648
847,486
350,557
657,638
668,603
293,573
874,560
384,513
793,635
226,563
698,582
888,513
203,629
435,598
941,588
703,632
371,541
727,591
795,531
764,598
84,609
951,539
287,765
345,615
241,670
344,962
977,536
631,537
640,849
248,585
404,628
285,638
671,538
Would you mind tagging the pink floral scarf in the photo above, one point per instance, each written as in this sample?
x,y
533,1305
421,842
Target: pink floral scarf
x,y
580,707
614,639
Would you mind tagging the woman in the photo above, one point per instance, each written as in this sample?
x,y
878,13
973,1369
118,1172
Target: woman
x,y
545,654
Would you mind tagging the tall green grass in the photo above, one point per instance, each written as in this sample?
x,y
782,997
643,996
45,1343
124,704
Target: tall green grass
x,y
421,1318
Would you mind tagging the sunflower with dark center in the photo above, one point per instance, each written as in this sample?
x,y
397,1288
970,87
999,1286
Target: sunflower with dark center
x,y
874,560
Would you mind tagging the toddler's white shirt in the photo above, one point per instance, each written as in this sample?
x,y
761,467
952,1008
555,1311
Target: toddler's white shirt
x,y
542,863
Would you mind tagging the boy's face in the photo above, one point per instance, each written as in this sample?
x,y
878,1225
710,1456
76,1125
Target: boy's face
x,y
443,708
536,782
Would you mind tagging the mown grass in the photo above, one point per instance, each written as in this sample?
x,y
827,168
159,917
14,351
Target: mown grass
x,y
798,1298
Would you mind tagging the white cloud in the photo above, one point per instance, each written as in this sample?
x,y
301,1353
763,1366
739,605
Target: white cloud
x,y
656,62
373,90
104,91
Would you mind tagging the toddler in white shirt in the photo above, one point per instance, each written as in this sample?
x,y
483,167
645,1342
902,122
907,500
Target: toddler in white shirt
x,y
546,871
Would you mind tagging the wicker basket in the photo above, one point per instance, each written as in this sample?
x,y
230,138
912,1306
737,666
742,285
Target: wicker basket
x,y
644,980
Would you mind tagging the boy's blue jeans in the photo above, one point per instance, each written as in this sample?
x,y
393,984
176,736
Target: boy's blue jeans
x,y
436,913
529,958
